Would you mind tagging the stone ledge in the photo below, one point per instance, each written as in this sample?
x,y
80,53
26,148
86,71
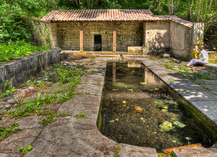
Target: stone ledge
x,y
17,72
194,152
211,66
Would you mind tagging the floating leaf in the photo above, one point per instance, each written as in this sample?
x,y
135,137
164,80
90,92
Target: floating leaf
x,y
179,124
164,110
143,82
117,119
166,126
124,102
156,89
188,138
130,90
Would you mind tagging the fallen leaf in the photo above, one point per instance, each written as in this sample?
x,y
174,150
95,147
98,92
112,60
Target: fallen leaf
x,y
138,108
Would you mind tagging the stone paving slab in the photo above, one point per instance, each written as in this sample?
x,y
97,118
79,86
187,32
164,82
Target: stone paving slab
x,y
208,108
9,155
133,151
194,152
16,140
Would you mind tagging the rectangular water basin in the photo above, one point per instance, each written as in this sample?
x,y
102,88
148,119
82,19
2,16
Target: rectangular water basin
x,y
137,109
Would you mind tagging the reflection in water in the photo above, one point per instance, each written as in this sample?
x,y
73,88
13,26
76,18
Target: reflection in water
x,y
114,71
137,110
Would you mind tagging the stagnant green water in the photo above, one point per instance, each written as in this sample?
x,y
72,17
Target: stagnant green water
x,y
136,110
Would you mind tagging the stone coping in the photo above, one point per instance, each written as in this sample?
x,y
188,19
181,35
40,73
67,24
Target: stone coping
x,y
19,71
211,66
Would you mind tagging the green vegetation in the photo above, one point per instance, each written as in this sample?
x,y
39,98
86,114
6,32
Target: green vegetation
x,y
7,92
6,131
195,75
49,118
117,150
183,68
37,105
171,67
82,115
9,51
23,151
14,28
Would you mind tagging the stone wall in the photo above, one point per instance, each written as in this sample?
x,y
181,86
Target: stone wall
x,y
181,40
156,37
20,71
129,34
42,34
67,35
99,28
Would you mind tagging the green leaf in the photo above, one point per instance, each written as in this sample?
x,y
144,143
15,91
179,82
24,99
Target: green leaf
x,y
29,147
21,148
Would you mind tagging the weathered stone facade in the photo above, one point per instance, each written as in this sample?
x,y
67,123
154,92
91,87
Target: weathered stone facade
x,y
181,40
66,35
156,36
42,34
150,37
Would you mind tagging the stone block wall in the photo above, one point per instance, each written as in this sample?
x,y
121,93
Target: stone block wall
x,y
129,34
67,35
20,71
156,36
98,28
181,40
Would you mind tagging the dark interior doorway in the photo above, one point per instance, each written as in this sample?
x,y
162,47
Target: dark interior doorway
x,y
97,42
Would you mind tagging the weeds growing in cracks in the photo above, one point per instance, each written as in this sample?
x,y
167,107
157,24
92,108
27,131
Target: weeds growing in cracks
x,y
37,105
6,131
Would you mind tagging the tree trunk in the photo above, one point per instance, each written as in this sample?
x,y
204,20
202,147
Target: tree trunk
x,y
172,8
199,11
189,10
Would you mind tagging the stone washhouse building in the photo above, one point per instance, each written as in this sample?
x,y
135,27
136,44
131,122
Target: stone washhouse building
x,y
126,30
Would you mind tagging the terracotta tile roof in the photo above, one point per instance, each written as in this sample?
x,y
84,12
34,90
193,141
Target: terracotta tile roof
x,y
109,15
99,15
181,21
